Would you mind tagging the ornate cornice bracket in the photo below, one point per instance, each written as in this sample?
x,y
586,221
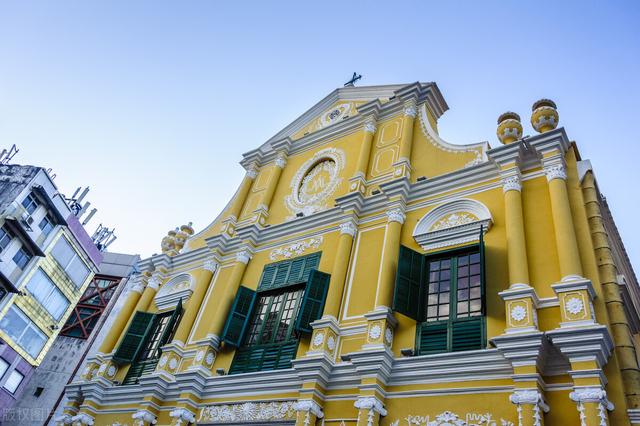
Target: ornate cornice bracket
x,y
309,406
182,416
144,417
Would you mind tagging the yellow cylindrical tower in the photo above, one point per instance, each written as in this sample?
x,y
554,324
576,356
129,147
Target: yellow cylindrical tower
x,y
395,219
339,272
624,348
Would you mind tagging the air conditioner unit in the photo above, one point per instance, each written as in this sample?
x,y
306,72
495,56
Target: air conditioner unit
x,y
27,219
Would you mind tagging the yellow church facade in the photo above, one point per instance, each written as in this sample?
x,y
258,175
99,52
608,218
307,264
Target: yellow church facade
x,y
367,272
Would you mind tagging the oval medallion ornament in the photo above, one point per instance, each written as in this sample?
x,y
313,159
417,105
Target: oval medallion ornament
x,y
314,182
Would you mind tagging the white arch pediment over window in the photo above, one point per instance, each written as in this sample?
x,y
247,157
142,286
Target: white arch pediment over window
x,y
178,287
453,223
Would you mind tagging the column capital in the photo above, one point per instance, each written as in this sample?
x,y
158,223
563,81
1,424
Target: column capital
x,y
144,417
410,108
370,403
512,183
154,282
244,256
396,215
82,419
349,228
529,396
310,407
555,170
138,283
252,171
370,124
182,415
211,265
591,394
281,160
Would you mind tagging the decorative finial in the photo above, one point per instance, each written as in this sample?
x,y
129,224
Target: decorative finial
x,y
509,127
544,116
353,80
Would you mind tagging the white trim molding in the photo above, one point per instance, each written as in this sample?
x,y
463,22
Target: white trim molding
x,y
177,288
453,223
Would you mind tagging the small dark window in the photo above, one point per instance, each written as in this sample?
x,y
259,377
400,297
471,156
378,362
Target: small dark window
x,y
38,392
5,238
21,258
30,204
46,225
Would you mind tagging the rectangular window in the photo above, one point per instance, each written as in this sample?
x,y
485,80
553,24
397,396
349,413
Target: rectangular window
x,y
46,225
23,331
70,261
5,238
454,303
30,204
50,297
271,341
4,366
22,258
155,337
13,381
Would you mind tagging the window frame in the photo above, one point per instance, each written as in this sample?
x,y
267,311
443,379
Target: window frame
x,y
30,202
151,349
452,255
51,224
291,334
6,238
45,299
6,368
75,256
30,325
24,254
15,390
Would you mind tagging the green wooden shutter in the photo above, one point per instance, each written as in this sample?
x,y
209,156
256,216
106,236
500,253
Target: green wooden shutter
x,y
313,300
311,262
239,317
467,335
482,269
432,338
407,295
132,342
268,274
171,324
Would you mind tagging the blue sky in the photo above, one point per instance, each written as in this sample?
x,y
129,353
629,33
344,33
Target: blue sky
x,y
151,104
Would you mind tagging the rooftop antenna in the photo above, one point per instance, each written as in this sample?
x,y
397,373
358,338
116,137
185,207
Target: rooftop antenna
x,y
353,80
103,237
75,203
7,155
